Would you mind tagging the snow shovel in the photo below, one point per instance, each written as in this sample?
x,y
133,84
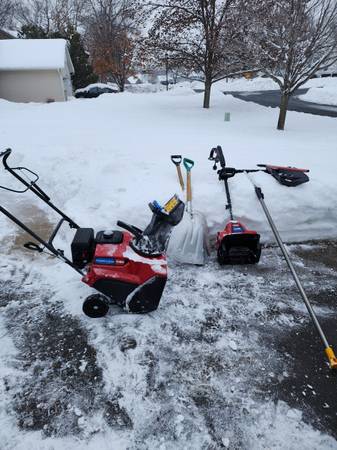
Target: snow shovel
x,y
176,159
189,240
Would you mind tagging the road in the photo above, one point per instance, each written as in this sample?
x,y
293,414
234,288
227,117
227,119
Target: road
x,y
272,98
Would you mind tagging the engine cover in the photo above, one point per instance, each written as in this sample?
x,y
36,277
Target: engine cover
x,y
130,280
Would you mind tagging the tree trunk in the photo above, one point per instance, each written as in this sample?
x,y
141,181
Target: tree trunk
x,y
283,111
207,94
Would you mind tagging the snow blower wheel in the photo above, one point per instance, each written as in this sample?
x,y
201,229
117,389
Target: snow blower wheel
x,y
95,306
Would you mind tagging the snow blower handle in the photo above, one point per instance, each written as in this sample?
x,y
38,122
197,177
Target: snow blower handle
x,y
217,156
137,232
177,159
4,155
188,164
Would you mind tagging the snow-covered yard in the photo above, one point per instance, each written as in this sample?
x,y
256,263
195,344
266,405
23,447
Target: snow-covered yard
x,y
200,372
104,159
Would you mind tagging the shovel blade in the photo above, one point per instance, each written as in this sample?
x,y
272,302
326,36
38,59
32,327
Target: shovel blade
x,y
189,240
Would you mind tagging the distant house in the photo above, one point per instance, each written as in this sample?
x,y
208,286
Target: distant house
x,y
35,70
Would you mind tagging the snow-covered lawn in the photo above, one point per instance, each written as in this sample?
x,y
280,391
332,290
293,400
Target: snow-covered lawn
x,y
105,159
194,374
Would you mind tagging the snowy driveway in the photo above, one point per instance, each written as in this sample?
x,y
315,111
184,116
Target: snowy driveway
x,y
273,98
229,360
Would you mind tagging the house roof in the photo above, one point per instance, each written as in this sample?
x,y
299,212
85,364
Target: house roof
x,y
34,54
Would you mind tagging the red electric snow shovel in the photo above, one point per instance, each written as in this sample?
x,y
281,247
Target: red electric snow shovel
x,y
236,244
189,241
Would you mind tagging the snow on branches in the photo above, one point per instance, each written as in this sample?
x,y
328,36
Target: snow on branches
x,y
291,40
198,36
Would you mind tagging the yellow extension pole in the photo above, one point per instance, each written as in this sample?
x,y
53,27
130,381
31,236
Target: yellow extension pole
x,y
328,349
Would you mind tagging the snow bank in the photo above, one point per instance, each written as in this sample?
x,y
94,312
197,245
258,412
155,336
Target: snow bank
x,y
323,95
266,84
105,159
183,88
241,84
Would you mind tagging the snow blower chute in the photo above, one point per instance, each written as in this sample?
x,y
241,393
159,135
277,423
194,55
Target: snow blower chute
x,y
127,268
236,244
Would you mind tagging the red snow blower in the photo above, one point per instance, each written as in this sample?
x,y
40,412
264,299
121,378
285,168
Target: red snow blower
x,y
127,268
236,244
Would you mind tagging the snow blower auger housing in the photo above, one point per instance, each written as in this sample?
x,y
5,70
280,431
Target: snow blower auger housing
x,y
127,268
236,244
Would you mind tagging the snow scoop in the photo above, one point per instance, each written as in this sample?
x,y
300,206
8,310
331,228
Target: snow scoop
x,y
288,176
189,240
236,244
328,349
176,159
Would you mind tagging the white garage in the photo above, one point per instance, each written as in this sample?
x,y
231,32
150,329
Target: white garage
x,y
35,70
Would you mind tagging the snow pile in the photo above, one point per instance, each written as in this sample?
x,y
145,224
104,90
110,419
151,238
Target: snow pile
x,y
321,82
115,158
182,88
322,95
144,88
241,84
266,84
198,85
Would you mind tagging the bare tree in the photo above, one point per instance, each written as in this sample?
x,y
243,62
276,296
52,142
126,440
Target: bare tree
x,y
52,15
292,40
6,12
112,35
203,36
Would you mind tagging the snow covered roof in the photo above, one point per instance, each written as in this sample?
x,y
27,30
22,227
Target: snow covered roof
x,y
34,54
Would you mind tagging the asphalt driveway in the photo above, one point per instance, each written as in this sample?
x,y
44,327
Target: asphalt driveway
x,y
272,99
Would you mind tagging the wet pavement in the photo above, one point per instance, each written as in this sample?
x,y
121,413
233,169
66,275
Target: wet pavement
x,y
273,98
188,368
310,385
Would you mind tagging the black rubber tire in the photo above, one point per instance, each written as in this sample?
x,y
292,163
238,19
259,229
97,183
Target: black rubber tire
x,y
95,306
258,254
222,257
